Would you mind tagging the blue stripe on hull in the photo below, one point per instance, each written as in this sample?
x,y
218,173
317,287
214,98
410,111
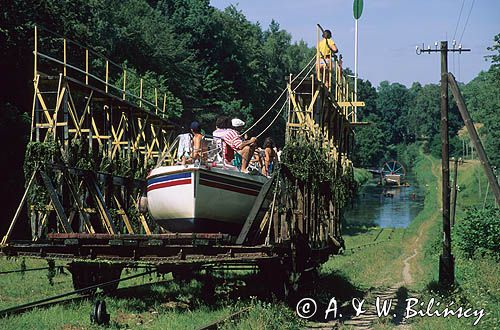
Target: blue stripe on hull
x,y
165,178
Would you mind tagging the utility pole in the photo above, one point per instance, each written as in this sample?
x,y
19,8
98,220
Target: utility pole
x,y
446,260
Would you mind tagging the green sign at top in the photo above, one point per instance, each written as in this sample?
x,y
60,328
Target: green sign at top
x,y
357,8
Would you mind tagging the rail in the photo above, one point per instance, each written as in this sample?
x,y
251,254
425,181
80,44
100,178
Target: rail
x,y
80,51
39,303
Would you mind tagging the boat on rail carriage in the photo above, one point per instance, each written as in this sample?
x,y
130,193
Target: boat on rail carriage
x,y
210,196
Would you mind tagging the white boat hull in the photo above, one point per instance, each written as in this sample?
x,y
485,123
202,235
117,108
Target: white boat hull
x,y
201,200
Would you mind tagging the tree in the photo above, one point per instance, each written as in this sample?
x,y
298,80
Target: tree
x,y
370,143
392,105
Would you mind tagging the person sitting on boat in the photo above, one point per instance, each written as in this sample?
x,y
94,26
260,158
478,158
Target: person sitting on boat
x,y
231,141
221,125
237,124
244,149
269,156
256,161
326,48
195,154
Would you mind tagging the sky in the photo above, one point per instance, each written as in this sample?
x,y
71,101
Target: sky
x,y
389,30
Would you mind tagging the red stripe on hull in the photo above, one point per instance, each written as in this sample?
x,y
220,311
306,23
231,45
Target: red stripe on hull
x,y
228,187
169,184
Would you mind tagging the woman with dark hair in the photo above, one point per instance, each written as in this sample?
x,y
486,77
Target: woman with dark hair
x,y
195,153
269,156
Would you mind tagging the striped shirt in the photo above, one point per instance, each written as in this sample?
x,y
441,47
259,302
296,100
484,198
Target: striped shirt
x,y
231,138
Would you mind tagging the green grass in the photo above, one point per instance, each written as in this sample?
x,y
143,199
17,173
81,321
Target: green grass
x,y
381,264
361,175
474,190
161,305
183,306
477,280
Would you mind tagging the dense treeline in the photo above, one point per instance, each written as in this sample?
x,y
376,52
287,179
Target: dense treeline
x,y
209,62
213,62
401,116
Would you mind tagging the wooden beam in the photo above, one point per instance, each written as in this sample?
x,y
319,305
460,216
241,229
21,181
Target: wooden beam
x,y
101,205
474,137
257,205
124,216
83,218
61,215
18,211
351,104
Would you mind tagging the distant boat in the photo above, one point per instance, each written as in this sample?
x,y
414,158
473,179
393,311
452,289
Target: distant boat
x,y
205,198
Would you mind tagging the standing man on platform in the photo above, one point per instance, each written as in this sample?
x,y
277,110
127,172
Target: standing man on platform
x,y
326,49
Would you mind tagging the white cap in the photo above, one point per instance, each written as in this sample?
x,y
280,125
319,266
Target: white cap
x,y
235,122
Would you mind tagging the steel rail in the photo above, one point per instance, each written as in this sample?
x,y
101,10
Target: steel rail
x,y
41,302
24,270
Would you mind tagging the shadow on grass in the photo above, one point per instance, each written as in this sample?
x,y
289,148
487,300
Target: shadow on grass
x,y
399,310
333,286
163,294
222,289
434,288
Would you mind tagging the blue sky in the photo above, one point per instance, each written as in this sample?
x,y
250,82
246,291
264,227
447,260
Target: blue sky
x,y
389,30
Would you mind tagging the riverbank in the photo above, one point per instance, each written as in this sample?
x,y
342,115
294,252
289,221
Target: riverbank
x,y
373,265
478,278
385,260
361,175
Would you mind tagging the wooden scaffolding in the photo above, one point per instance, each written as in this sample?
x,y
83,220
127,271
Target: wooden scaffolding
x,y
100,126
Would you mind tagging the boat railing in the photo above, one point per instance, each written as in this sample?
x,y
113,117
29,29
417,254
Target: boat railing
x,y
212,153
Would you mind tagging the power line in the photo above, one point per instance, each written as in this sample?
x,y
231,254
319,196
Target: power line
x,y
467,21
458,20
455,33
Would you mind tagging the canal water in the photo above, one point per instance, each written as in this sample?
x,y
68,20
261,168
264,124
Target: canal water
x,y
385,206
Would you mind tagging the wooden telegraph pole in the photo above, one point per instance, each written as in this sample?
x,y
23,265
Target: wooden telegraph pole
x,y
446,260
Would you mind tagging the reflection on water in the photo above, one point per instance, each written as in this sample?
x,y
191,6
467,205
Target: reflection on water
x,y
385,206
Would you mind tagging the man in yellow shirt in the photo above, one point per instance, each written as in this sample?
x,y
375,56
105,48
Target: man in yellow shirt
x,y
325,49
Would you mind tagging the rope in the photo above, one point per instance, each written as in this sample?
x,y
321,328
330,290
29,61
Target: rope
x,y
279,97
304,78
274,119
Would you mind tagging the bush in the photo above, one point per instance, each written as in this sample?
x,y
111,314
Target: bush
x,y
477,234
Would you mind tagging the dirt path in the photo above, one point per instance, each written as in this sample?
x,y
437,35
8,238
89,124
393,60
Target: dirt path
x,y
410,267
411,270
408,262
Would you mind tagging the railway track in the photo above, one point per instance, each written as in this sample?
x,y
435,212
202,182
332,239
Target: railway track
x,y
370,316
63,298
